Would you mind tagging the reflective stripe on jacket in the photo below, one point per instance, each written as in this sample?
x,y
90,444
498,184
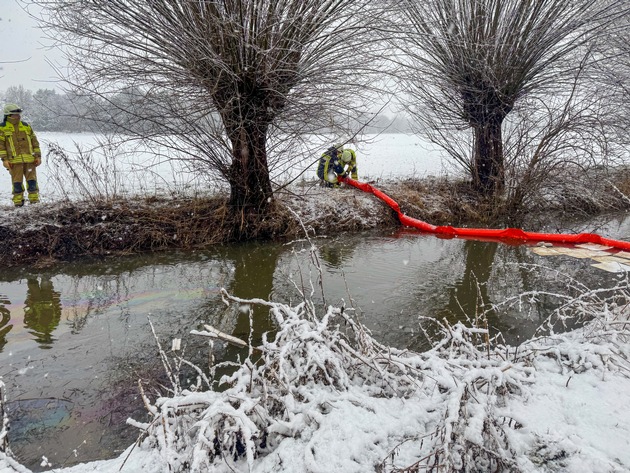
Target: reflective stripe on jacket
x,y
18,145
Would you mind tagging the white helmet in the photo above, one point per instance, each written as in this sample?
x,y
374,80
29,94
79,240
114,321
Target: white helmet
x,y
11,108
346,156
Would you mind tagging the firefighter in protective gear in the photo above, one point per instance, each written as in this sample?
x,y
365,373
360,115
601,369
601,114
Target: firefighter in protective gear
x,y
349,162
20,154
334,162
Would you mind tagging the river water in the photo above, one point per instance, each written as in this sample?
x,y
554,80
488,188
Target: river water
x,y
75,339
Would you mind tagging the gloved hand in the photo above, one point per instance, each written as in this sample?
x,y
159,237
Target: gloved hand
x,y
6,164
38,161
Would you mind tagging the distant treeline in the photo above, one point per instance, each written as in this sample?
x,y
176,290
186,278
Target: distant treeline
x,y
49,110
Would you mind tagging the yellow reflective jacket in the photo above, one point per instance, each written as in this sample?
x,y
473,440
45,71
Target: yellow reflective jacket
x,y
351,166
18,143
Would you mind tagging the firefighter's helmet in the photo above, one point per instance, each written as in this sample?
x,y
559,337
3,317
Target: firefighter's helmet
x,y
11,108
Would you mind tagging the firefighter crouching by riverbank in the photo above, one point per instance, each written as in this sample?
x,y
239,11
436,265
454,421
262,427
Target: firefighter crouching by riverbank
x,y
20,154
337,161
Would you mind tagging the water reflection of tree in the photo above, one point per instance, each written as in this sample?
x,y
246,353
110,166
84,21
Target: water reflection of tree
x,y
42,311
253,278
90,295
469,296
494,277
335,253
5,318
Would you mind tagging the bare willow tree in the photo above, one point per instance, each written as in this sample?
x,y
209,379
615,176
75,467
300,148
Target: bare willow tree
x,y
469,63
613,53
222,77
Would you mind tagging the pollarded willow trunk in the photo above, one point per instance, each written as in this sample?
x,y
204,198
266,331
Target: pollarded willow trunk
x,y
250,185
488,160
247,110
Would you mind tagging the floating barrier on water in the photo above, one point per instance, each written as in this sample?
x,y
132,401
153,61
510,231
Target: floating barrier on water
x,y
506,235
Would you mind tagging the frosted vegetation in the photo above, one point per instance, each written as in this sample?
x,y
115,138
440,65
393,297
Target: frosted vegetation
x,y
323,395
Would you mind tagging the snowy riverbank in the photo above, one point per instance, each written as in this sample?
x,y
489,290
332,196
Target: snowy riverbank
x,y
320,400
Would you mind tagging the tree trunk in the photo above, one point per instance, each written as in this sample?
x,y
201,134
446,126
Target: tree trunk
x,y
488,163
250,186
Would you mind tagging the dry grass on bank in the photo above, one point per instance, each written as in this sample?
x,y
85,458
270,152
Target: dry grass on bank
x,y
44,233
48,232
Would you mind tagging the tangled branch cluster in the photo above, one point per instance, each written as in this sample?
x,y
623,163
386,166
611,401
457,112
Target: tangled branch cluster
x,y
458,392
287,386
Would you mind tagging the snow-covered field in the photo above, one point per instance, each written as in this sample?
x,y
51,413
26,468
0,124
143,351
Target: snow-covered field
x,y
129,170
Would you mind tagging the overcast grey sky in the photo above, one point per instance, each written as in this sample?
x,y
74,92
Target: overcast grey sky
x,y
23,60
